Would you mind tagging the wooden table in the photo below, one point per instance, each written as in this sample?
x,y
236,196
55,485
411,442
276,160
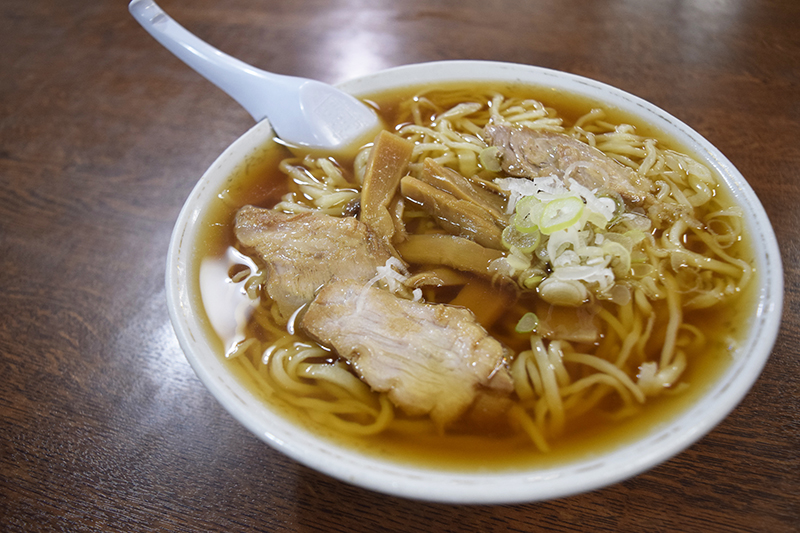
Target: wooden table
x,y
103,133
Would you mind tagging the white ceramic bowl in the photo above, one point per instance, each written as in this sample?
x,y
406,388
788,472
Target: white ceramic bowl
x,y
524,485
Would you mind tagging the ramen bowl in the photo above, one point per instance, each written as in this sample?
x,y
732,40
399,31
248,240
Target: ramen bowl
x,y
527,483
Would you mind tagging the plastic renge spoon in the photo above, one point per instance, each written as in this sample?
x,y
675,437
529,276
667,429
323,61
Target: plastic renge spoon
x,y
304,113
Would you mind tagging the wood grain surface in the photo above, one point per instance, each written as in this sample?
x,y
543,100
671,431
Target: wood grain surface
x,y
103,424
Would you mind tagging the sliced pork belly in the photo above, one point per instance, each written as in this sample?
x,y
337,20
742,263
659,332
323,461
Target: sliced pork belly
x,y
431,358
303,252
528,153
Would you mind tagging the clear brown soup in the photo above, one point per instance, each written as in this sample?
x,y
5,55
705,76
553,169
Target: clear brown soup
x,y
258,182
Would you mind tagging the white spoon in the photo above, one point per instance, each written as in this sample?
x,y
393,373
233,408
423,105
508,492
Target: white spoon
x,y
305,113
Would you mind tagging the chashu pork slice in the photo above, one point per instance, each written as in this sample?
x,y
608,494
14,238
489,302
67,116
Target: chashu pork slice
x,y
528,153
302,252
430,358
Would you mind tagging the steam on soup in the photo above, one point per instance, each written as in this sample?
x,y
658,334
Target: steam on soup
x,y
492,282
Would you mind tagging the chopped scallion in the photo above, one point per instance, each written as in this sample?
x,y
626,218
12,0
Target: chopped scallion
x,y
527,324
490,159
526,242
561,213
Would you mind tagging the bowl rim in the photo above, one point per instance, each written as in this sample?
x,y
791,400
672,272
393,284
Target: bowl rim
x,y
526,485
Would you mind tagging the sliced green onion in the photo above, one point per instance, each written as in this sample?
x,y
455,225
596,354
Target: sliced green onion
x,y
528,214
528,323
619,208
517,260
636,236
641,270
597,219
490,159
524,241
533,281
523,224
621,258
561,213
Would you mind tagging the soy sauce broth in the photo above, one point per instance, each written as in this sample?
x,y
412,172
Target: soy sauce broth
x,y
258,182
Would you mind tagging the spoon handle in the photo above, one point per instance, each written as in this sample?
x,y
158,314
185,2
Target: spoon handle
x,y
242,82
302,112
